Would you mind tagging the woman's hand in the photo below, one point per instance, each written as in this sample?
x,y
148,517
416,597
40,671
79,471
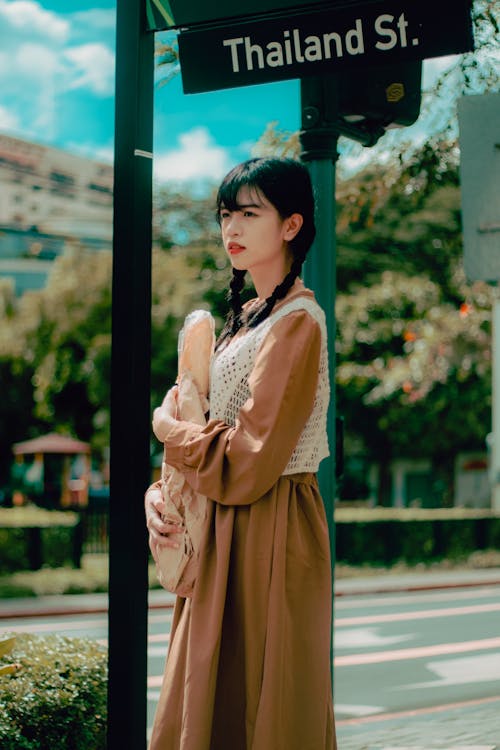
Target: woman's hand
x,y
164,416
160,534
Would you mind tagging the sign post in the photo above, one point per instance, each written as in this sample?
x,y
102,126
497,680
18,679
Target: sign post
x,y
130,380
318,138
478,118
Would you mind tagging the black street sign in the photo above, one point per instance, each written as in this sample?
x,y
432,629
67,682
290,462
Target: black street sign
x,y
319,42
165,14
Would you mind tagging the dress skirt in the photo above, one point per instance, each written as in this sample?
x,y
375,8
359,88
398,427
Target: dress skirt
x,y
248,666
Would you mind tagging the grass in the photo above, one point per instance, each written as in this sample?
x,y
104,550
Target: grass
x,y
31,515
92,577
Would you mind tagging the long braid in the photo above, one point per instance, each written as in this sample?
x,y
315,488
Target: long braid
x,y
280,291
234,319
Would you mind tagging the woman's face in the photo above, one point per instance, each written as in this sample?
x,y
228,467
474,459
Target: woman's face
x,y
256,237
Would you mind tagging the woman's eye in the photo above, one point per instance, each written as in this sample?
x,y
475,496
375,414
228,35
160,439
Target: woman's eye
x,y
248,213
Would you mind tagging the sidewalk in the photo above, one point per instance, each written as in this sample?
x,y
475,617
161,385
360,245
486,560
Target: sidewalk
x,y
374,584
419,581
72,604
474,725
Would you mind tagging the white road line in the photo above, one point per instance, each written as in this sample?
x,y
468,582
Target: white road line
x,y
167,617
355,710
159,638
416,653
423,614
362,601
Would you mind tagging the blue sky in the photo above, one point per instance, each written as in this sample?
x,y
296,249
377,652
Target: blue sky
x,y
57,84
56,87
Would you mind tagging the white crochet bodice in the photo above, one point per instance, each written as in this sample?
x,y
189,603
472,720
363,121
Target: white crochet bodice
x,y
231,367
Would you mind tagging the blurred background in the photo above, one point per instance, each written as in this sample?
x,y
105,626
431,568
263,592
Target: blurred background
x,y
414,356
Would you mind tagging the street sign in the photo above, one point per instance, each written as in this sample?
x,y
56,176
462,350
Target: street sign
x,y
479,123
317,42
166,14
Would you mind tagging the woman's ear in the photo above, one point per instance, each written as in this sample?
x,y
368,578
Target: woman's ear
x,y
293,225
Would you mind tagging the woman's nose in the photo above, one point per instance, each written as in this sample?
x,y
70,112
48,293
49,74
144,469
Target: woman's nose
x,y
233,225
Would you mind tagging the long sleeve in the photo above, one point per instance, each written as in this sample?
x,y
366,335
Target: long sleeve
x,y
236,465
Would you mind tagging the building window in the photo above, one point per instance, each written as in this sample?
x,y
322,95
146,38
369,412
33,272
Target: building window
x,y
62,184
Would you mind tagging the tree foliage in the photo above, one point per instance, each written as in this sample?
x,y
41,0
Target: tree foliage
x,y
414,338
410,360
55,344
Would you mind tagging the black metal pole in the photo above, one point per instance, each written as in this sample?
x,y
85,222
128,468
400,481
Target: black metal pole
x,y
318,138
130,379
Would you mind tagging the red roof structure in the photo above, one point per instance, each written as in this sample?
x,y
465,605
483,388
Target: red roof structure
x,y
51,443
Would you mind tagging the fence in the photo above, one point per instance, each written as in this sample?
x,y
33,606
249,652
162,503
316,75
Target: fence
x,y
95,522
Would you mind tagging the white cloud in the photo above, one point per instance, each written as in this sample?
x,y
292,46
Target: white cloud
x,y
44,56
97,18
29,73
103,154
36,61
8,120
29,16
95,67
198,157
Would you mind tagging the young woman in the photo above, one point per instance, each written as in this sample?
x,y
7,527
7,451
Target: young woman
x,y
248,666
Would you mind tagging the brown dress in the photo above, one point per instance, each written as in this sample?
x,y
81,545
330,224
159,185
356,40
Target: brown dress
x,y
248,666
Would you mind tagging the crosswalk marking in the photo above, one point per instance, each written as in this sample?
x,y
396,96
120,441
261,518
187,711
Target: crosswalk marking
x,y
367,638
463,671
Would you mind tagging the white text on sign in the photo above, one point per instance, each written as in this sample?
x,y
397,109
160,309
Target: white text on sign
x,y
293,48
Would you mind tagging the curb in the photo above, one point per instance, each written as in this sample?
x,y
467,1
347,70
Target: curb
x,y
61,611
398,589
40,607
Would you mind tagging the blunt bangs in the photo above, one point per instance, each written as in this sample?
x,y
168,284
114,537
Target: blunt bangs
x,y
238,178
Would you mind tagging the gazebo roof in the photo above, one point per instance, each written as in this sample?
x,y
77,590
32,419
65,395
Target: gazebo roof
x,y
51,443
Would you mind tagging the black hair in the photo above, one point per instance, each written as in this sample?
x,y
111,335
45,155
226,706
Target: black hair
x,y
286,184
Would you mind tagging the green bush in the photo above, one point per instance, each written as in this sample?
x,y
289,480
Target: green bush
x,y
56,698
13,550
31,537
385,536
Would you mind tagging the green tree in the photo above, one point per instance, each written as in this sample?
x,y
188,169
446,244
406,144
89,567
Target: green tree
x,y
55,344
409,360
401,217
58,335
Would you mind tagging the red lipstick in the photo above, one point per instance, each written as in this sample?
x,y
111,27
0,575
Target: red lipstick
x,y
233,248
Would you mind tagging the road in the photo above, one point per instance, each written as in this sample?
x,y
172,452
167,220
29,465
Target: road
x,y
413,650
393,652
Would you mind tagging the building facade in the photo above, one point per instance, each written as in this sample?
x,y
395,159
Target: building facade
x,y
49,198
